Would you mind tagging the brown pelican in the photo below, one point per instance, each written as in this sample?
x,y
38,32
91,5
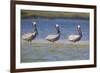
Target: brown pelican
x,y
32,35
76,37
54,37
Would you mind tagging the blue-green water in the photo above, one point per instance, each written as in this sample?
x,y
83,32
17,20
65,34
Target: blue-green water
x,y
47,26
42,51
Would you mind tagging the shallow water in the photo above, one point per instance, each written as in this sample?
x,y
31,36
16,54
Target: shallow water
x,y
47,26
43,52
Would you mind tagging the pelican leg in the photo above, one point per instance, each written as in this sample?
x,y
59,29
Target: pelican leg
x,y
29,41
56,45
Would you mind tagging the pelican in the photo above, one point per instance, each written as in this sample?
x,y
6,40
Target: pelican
x,y
32,35
76,37
54,37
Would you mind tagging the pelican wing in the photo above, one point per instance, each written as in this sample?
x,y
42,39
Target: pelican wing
x,y
28,35
73,37
51,36
34,33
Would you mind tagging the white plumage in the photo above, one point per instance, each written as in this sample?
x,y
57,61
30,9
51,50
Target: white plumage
x,y
73,37
76,37
28,35
54,37
51,36
32,35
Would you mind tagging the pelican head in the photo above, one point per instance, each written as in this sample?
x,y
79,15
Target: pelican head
x,y
57,28
57,25
78,27
79,30
35,28
34,23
